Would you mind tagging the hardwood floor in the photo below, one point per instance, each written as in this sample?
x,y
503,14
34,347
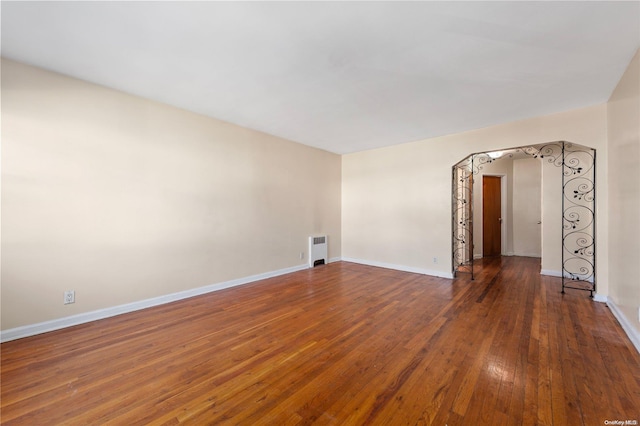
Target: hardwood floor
x,y
340,344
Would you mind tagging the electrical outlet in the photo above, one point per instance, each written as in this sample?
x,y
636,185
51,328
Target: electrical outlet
x,y
301,255
69,297
435,260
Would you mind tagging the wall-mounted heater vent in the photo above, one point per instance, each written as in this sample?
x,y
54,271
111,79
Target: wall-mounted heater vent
x,y
318,250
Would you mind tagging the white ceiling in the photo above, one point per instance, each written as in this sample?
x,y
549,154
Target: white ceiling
x,y
341,76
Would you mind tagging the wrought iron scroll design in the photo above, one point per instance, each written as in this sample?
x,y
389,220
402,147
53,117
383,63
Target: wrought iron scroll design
x,y
578,165
462,200
463,173
578,218
462,207
578,170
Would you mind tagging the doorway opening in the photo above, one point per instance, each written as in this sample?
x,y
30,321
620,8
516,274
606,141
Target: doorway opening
x,y
570,241
491,216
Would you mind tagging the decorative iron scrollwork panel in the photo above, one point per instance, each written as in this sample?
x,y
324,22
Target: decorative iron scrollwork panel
x,y
578,217
578,164
462,215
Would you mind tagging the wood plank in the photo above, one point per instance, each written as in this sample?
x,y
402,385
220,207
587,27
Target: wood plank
x,y
338,344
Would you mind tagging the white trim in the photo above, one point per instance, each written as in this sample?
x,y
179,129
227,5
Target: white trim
x,y
628,328
43,327
504,201
400,267
509,254
551,273
335,259
527,255
558,274
600,298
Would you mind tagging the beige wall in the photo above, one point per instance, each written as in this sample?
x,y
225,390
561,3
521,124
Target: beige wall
x,y
396,201
624,192
123,199
521,205
522,208
503,168
552,221
527,207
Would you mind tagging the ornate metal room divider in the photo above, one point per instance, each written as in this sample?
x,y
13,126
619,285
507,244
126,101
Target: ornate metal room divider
x,y
578,170
462,199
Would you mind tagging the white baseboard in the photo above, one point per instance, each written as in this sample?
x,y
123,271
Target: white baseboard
x,y
400,267
43,327
480,256
626,324
600,298
597,297
551,273
558,274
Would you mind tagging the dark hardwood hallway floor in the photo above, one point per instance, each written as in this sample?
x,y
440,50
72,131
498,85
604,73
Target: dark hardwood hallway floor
x,y
341,344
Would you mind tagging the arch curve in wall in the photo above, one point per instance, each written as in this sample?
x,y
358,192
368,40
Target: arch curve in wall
x,y
578,171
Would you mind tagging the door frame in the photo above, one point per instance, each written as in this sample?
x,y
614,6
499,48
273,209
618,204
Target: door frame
x,y
504,199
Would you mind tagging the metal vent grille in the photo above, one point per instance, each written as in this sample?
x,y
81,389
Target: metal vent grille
x,y
318,240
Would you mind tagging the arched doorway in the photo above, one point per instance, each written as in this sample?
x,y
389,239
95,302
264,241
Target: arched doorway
x,y
577,166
